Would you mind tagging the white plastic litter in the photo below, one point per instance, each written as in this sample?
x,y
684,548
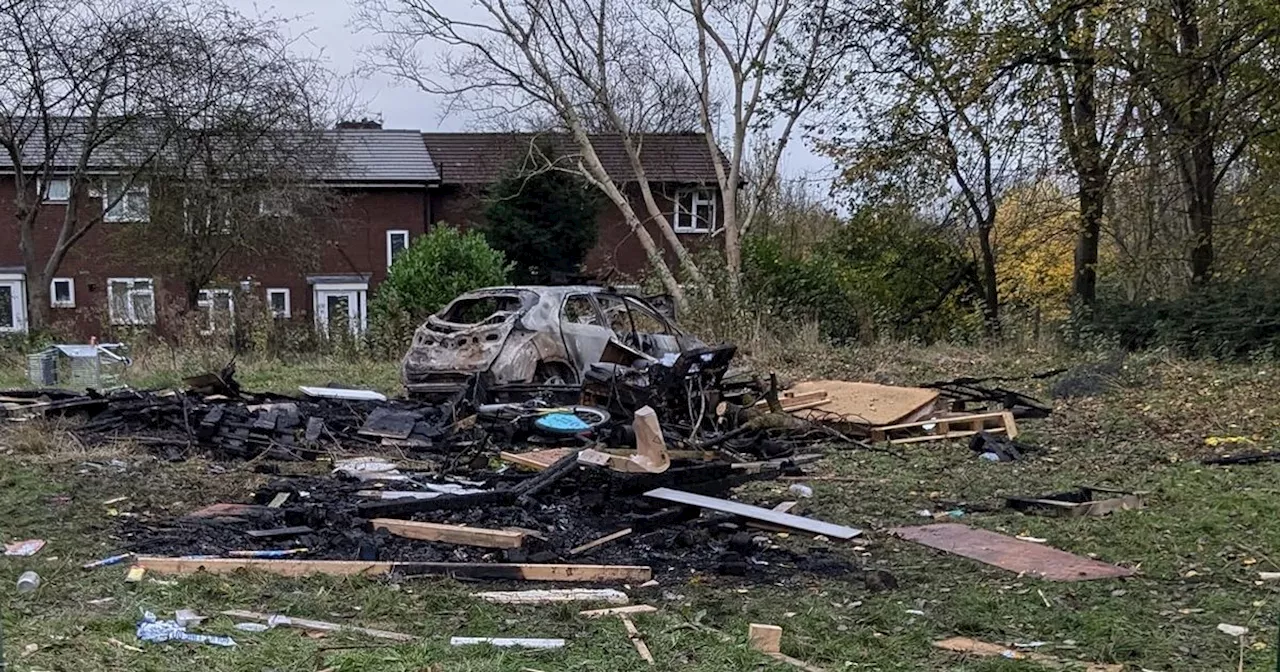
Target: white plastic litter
x,y
800,490
252,627
1233,630
153,630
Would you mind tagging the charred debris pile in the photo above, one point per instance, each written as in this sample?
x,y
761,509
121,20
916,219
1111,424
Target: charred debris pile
x,y
632,472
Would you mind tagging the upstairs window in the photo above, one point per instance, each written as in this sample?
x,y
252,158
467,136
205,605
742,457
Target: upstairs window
x,y
124,202
274,205
54,190
397,242
131,301
695,211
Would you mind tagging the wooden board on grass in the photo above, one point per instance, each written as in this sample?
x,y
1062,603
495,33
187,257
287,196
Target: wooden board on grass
x,y
470,570
450,534
865,403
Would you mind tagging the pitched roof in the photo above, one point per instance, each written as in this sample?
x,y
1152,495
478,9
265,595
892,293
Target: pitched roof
x,y
354,155
480,158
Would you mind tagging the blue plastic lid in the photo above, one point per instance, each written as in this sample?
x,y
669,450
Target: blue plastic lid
x,y
566,423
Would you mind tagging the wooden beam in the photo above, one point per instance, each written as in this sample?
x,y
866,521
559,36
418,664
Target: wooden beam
x,y
450,534
317,626
600,542
608,595
756,513
471,570
636,640
616,611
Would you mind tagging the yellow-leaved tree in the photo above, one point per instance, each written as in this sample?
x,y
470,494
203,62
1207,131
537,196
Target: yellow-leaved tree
x,y
1035,231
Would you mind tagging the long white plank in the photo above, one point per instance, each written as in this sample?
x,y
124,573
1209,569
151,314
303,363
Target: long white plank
x,y
755,513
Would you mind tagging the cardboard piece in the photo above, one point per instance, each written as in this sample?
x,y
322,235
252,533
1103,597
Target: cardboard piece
x,y
1015,555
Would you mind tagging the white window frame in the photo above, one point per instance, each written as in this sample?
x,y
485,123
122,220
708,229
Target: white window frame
x,y
684,214
391,234
53,293
131,319
120,212
18,302
288,303
272,205
205,302
43,187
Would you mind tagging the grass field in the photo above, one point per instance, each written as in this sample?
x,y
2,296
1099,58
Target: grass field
x,y
1199,546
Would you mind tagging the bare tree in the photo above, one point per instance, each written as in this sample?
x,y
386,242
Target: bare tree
x,y
90,87
609,65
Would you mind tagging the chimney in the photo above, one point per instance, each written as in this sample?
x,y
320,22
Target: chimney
x,y
363,123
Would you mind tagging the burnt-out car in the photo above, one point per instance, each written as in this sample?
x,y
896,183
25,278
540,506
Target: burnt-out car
x,y
540,335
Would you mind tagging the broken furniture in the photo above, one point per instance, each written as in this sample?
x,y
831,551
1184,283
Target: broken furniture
x,y
1083,501
1015,555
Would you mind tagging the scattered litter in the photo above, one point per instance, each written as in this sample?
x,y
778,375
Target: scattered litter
x,y
608,595
976,647
24,548
801,491
280,620
252,627
1083,501
114,500
1009,553
340,393
135,574
121,645
187,617
28,582
1034,540
517,642
1233,630
150,629
1269,576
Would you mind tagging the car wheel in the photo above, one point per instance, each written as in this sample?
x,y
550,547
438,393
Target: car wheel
x,y
553,373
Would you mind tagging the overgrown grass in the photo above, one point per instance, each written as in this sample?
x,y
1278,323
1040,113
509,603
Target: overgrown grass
x,y
1199,545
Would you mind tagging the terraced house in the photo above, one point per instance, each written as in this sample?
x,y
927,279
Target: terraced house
x,y
135,268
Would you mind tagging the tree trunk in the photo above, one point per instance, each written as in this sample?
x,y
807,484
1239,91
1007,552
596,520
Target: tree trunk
x,y
1091,201
732,241
987,273
1202,196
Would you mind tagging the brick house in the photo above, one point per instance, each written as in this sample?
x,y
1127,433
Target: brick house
x,y
394,185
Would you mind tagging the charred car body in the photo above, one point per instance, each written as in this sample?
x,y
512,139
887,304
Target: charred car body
x,y
537,335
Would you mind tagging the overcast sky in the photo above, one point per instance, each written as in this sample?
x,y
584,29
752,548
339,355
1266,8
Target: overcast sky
x,y
324,27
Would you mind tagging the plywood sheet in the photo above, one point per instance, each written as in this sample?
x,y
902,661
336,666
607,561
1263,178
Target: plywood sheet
x,y
867,403
1005,552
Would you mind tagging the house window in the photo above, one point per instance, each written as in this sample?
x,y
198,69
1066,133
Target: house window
x,y
274,205
62,293
124,202
341,307
397,242
55,190
131,301
695,211
278,300
219,310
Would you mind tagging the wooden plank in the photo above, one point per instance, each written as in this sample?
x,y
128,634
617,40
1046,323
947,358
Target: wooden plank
x,y
867,403
316,626
279,500
279,532
755,513
784,507
537,459
615,611
608,595
636,640
977,647
1005,552
764,638
473,570
507,642
600,542
948,428
792,398
450,534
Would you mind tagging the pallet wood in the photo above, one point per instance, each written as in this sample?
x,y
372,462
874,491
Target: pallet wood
x,y
450,534
600,542
636,640
790,399
316,626
767,639
553,596
536,460
947,428
615,611
756,513
472,570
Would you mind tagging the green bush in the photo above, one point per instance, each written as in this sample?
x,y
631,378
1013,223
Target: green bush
x,y
881,274
429,274
1227,320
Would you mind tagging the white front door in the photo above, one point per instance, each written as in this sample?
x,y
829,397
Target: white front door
x,y
13,303
340,307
